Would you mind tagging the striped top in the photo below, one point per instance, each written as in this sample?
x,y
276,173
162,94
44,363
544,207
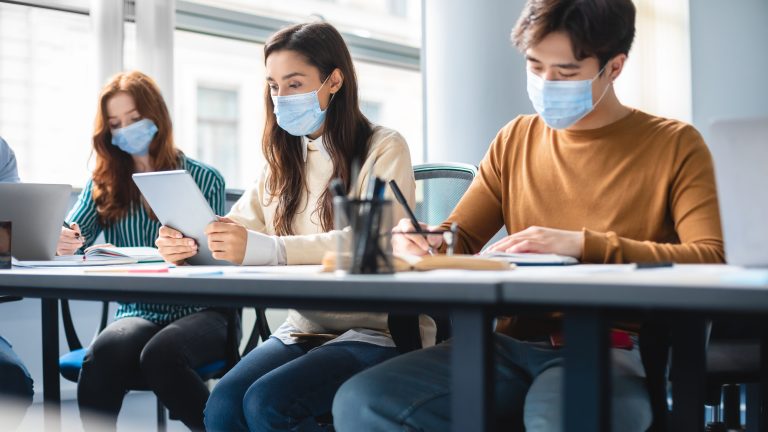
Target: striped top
x,y
138,229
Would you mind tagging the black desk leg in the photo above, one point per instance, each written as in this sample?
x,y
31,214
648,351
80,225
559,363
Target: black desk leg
x,y
587,401
688,374
763,391
51,384
753,407
471,371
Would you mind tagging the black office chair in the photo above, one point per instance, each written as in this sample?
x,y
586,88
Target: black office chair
x,y
71,363
733,358
439,187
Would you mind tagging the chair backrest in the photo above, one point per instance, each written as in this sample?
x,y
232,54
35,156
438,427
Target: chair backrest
x,y
439,187
232,196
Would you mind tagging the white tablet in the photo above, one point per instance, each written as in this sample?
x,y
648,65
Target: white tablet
x,y
179,204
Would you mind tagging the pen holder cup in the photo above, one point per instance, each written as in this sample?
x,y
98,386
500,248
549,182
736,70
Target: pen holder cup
x,y
365,245
5,245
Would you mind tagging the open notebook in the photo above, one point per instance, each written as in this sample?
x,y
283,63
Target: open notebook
x,y
98,256
140,254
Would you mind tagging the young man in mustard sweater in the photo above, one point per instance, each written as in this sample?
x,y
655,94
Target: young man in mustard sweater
x,y
586,177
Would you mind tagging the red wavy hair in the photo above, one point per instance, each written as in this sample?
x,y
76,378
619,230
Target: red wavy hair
x,y
114,192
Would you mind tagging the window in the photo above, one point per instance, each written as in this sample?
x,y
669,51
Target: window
x,y
47,105
391,97
217,139
389,20
657,75
218,104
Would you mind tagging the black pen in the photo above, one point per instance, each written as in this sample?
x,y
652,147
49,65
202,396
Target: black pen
x,y
401,199
652,265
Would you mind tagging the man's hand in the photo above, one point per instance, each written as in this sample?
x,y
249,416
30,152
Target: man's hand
x,y
542,240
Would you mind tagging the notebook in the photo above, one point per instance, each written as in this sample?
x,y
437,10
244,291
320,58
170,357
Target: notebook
x,y
532,259
75,261
140,254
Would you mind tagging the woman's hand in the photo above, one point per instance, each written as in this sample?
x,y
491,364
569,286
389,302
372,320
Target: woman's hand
x,y
413,244
174,247
227,240
542,240
70,240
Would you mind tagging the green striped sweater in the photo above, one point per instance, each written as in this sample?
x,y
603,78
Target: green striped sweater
x,y
138,229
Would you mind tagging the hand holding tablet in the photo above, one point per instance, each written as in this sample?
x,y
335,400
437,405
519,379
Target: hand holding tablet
x,y
183,210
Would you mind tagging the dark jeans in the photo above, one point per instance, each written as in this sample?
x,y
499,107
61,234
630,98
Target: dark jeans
x,y
279,387
135,353
15,387
413,392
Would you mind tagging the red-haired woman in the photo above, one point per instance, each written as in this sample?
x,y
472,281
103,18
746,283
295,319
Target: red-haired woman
x,y
151,344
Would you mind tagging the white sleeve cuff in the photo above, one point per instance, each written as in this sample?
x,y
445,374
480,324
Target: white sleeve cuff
x,y
261,249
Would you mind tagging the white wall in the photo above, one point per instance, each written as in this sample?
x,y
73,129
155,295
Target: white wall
x,y
475,79
729,51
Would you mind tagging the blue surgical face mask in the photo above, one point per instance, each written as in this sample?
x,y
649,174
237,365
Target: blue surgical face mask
x,y
135,138
562,103
299,114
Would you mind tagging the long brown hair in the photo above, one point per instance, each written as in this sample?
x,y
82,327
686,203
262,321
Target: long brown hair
x,y
113,189
346,134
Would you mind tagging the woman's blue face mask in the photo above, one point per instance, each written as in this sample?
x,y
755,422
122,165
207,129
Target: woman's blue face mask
x,y
299,114
562,103
135,138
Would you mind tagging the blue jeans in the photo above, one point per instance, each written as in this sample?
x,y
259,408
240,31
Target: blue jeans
x,y
15,387
412,392
279,387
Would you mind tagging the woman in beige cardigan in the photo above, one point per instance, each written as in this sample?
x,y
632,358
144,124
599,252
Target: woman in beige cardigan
x,y
314,131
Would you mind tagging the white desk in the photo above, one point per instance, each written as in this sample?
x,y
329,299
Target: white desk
x,y
590,294
470,299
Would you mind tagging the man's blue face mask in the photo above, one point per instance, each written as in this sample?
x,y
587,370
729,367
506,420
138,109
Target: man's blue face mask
x,y
562,103
299,114
135,138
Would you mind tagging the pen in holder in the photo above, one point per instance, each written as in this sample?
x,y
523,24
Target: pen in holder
x,y
365,247
5,245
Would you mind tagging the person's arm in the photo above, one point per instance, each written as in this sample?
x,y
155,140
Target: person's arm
x,y
8,170
248,214
86,217
216,193
694,210
478,214
390,159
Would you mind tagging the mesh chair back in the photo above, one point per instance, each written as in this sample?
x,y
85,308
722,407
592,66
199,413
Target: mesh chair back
x,y
439,187
232,196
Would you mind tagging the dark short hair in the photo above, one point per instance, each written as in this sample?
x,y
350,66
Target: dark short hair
x,y
600,28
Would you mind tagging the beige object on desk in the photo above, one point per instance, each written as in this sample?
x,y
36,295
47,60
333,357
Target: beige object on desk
x,y
404,263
